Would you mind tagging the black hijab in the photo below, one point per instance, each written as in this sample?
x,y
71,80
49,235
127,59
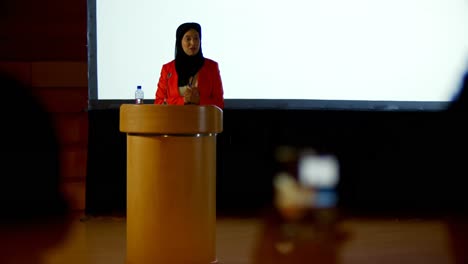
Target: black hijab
x,y
187,66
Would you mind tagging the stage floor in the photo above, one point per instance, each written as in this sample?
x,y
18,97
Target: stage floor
x,y
255,240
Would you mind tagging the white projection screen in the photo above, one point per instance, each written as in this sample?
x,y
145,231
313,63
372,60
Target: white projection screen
x,y
296,53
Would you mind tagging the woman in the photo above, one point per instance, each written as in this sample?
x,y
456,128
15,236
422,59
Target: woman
x,y
190,78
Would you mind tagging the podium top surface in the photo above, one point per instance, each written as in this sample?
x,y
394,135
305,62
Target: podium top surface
x,y
170,119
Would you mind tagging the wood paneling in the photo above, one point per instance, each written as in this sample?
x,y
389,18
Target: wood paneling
x,y
47,30
71,128
60,74
18,70
71,163
31,49
75,193
61,87
63,99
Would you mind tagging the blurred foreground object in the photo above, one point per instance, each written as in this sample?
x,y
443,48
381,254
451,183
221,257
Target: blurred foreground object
x,y
306,201
34,216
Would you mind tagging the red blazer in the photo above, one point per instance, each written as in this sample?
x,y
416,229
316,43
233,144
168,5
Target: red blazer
x,y
209,85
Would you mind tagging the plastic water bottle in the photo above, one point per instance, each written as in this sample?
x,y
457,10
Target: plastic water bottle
x,y
139,95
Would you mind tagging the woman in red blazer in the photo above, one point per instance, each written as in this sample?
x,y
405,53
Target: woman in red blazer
x,y
190,78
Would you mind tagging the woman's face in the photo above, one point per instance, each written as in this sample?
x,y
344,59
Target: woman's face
x,y
191,42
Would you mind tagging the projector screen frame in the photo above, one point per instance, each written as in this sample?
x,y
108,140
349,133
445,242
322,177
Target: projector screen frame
x,y
286,104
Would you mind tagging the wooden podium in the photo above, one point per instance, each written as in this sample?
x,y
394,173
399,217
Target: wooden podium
x,y
171,182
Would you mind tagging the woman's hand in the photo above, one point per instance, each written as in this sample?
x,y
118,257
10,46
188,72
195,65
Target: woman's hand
x,y
192,95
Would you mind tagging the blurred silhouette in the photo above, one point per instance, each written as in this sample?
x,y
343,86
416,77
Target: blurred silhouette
x,y
34,212
297,242
459,103
453,154
303,224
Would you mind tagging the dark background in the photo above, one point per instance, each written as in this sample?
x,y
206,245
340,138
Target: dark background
x,y
389,160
